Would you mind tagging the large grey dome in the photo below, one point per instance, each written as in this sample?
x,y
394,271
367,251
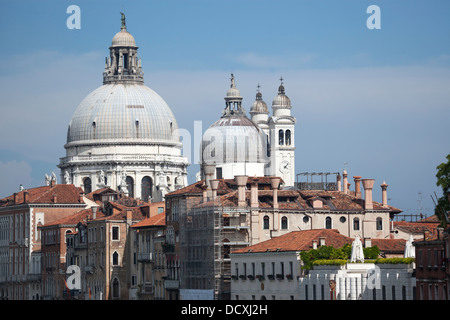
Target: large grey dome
x,y
122,113
123,135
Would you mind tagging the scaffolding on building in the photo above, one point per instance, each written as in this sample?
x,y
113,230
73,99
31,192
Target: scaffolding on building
x,y
209,231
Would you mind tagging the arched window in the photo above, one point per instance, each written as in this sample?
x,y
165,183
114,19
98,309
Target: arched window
x,y
356,224
130,186
87,185
288,137
146,188
115,259
281,137
328,223
115,288
379,224
284,223
266,222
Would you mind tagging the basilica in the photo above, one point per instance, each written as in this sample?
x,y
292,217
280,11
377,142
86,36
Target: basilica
x,y
260,146
123,135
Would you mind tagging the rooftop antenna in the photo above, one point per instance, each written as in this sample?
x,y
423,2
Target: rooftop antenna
x,y
344,165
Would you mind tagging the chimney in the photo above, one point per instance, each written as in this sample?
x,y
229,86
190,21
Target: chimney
x,y
254,203
367,242
357,180
344,174
368,185
241,181
15,198
214,187
129,213
321,241
94,212
209,171
25,197
205,193
80,199
338,181
54,198
275,181
384,194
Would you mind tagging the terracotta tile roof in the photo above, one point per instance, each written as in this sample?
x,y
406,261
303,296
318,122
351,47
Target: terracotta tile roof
x,y
416,227
302,200
299,241
65,194
156,221
121,212
390,245
225,186
75,218
96,195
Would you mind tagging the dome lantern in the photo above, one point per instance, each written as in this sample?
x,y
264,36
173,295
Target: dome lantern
x,y
123,64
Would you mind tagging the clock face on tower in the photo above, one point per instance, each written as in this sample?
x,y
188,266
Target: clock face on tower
x,y
285,166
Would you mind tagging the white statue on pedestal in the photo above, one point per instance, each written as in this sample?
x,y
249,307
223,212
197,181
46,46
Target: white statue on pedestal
x,y
357,251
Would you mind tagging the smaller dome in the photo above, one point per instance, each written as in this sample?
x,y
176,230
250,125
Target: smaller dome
x,y
259,106
123,39
233,93
281,100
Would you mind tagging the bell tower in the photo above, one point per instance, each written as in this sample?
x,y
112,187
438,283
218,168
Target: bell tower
x,y
282,138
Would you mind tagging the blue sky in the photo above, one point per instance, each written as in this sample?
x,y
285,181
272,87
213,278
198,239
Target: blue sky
x,y
377,100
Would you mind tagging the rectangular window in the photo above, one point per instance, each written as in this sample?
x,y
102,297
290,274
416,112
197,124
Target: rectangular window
x,y
115,233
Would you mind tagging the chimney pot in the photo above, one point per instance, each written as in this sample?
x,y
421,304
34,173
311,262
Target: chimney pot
x,y
214,187
368,186
384,194
25,197
275,181
241,181
344,174
254,194
357,180
209,170
54,198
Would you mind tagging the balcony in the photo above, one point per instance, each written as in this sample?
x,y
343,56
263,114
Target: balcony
x,y
147,288
171,284
145,257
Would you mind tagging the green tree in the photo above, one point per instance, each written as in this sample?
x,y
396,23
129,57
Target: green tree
x,y
330,253
443,181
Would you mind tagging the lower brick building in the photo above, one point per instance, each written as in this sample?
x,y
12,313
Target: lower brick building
x,y
432,263
21,215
